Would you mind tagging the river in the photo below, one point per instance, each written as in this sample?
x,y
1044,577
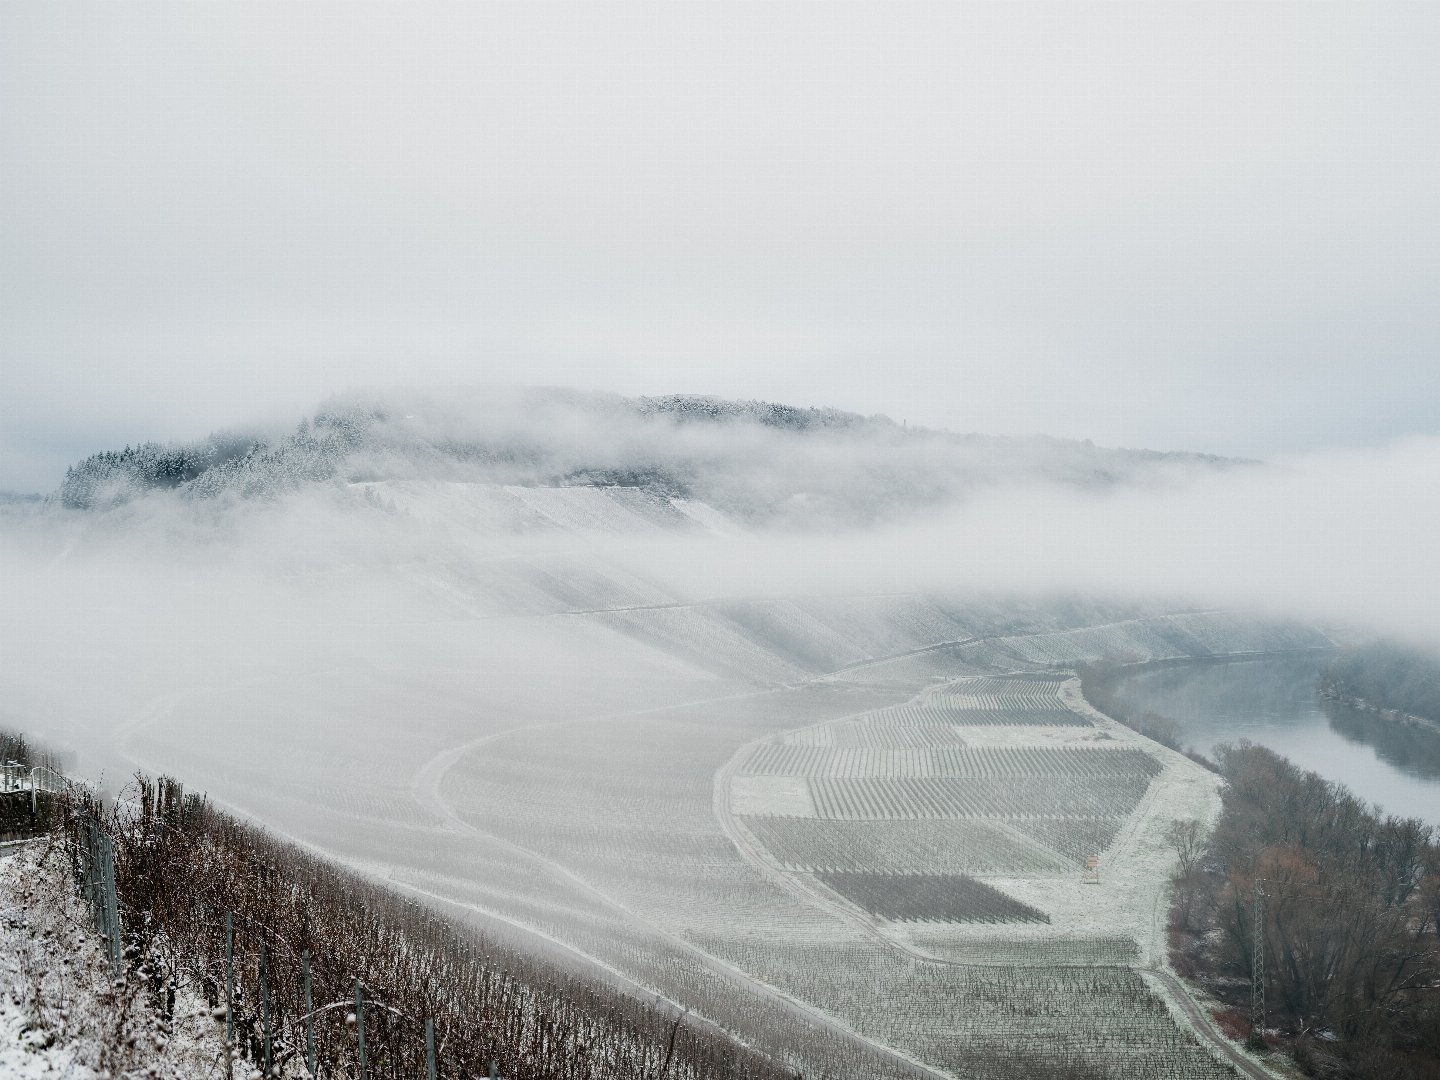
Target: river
x,y
1272,701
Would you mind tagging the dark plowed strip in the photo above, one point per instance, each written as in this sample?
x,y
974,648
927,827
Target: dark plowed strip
x,y
930,898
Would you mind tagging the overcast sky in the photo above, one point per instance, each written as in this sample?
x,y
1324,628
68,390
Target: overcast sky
x,y
1205,227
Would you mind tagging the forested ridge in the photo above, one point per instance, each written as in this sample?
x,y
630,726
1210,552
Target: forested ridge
x,y
755,460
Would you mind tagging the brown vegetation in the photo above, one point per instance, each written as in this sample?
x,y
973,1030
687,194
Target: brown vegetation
x,y
1351,918
180,866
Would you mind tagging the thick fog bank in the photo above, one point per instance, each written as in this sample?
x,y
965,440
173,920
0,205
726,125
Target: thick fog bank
x,y
1348,538
532,564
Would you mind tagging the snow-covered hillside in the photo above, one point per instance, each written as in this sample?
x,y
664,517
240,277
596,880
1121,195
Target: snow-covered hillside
x,y
757,461
498,652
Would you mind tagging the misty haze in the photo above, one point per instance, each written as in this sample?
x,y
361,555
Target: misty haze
x,y
690,543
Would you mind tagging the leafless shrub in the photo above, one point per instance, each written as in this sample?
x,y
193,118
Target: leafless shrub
x,y
181,866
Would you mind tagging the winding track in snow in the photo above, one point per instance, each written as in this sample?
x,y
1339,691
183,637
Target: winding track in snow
x,y
1204,1027
425,787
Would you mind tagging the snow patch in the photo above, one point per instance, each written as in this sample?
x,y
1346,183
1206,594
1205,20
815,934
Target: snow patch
x,y
780,796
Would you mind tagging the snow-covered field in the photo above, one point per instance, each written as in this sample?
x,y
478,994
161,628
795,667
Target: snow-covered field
x,y
523,728
1021,813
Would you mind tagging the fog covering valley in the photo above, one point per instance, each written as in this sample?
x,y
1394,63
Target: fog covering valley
x,y
587,670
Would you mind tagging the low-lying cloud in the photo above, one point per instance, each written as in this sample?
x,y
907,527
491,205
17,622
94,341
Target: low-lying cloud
x,y
444,578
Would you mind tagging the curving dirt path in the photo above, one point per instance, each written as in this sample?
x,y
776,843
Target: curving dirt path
x,y
426,789
1204,1026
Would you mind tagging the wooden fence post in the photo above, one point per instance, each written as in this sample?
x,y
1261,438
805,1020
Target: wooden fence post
x,y
429,1048
360,1028
265,1005
309,1018
229,979
110,901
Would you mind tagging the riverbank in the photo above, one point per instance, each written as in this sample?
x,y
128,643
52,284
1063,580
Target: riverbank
x,y
1394,716
1272,701
1338,906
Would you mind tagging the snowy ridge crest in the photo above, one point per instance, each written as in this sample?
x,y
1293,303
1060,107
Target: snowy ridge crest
x,y
752,460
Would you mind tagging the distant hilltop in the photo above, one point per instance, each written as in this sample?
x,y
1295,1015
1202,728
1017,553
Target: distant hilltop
x,y
754,460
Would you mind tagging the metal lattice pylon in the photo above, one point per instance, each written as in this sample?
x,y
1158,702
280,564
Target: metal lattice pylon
x,y
1257,961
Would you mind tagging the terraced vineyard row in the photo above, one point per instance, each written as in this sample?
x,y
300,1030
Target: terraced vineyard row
x,y
777,759
1038,689
991,694
1029,950
879,731
938,845
930,898
862,798
998,1019
1071,837
1051,714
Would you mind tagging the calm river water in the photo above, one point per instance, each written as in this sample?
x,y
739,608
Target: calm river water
x,y
1272,701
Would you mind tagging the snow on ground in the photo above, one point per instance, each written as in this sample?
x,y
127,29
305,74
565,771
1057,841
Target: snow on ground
x,y
766,795
1120,919
62,1015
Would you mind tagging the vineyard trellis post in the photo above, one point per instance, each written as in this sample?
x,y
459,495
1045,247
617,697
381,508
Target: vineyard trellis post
x,y
229,979
96,879
309,1018
109,901
265,1005
360,1028
112,898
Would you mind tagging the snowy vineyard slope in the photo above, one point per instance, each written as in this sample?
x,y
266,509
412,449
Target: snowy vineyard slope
x,y
524,692
552,775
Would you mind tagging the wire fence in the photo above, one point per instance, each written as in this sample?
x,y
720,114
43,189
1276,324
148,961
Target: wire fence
x,y
92,855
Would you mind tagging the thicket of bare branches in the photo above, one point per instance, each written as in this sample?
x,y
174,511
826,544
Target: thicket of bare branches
x,y
1351,917
181,866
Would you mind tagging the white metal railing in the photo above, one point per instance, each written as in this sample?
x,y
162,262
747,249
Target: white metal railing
x,y
12,777
16,779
